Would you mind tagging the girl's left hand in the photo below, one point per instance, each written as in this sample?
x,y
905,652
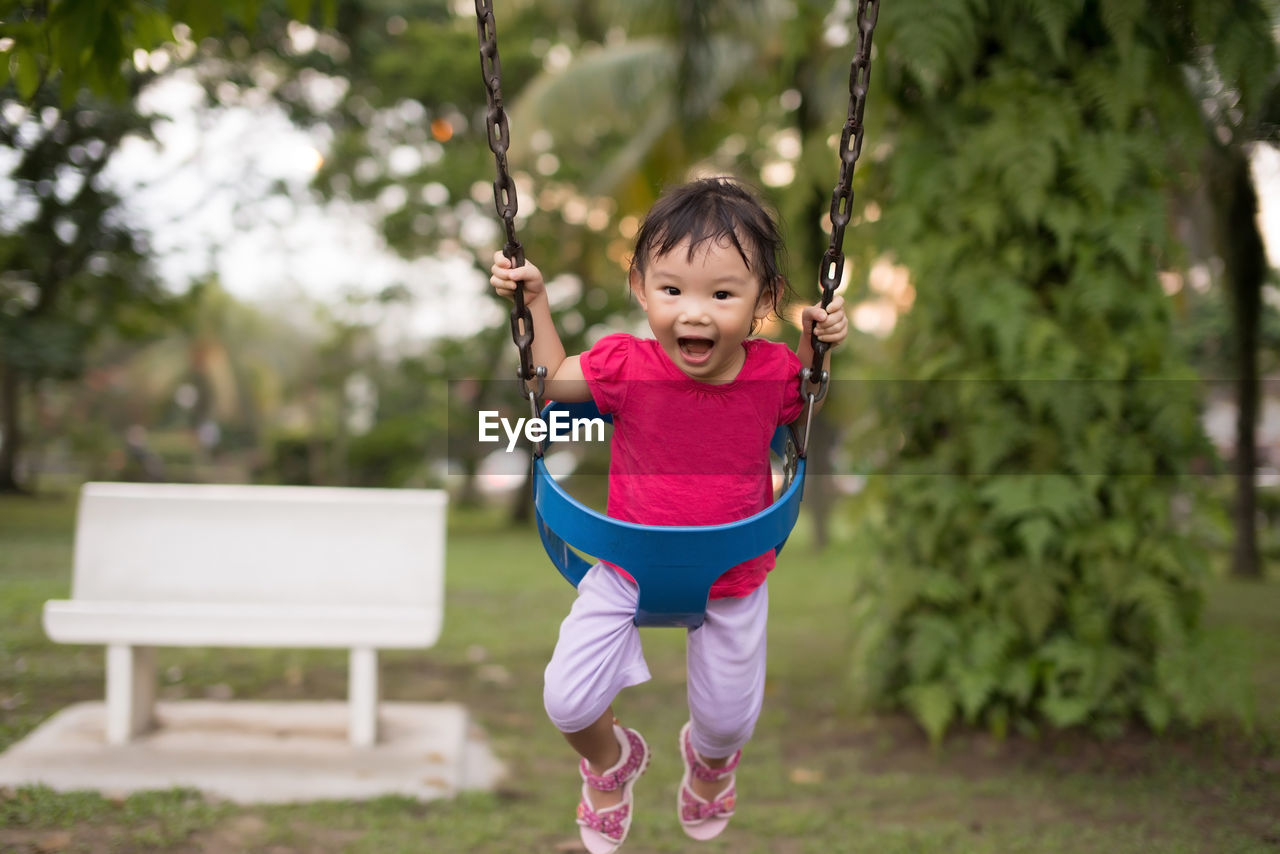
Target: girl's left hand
x,y
831,325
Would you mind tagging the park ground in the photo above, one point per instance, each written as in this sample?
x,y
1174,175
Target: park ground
x,y
819,777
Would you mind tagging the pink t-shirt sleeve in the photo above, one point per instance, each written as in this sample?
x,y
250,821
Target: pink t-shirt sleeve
x,y
604,367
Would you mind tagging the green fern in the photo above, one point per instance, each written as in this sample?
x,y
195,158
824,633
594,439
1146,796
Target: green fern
x,y
934,706
1121,18
1035,535
1100,164
933,46
1027,197
1054,17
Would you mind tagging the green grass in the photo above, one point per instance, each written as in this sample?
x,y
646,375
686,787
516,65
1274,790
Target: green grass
x,y
817,777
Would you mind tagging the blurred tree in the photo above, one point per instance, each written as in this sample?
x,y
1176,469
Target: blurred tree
x,y
1241,108
1032,564
471,364
72,267
225,368
86,45
396,89
206,390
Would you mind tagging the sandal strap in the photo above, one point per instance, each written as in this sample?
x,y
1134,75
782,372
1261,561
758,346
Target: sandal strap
x,y
695,809
611,822
703,771
628,767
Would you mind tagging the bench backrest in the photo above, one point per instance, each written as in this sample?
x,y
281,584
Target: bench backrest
x,y
260,544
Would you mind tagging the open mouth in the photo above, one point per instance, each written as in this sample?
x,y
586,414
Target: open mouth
x,y
695,350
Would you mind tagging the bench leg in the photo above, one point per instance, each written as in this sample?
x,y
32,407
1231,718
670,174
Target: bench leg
x,y
363,696
131,691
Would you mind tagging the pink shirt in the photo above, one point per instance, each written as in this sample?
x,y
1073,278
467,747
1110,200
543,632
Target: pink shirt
x,y
692,453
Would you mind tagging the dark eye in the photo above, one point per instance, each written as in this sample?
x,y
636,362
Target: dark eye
x,y
723,295
671,290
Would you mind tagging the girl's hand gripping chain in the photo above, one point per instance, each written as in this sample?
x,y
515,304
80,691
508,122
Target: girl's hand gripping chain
x,y
831,324
564,374
504,278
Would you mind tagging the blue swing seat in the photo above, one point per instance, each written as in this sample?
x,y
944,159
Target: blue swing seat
x,y
674,565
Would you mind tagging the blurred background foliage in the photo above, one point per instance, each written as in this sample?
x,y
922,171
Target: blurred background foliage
x,y
1055,251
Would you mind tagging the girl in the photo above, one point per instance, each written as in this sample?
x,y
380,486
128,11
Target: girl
x,y
705,271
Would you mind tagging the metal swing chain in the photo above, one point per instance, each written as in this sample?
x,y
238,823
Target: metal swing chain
x,y
504,199
832,268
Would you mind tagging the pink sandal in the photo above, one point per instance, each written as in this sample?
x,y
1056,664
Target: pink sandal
x,y
700,818
602,831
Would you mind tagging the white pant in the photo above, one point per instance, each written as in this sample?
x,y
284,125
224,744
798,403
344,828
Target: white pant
x,y
599,653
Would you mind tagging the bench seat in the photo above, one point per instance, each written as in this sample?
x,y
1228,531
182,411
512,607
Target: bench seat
x,y
226,624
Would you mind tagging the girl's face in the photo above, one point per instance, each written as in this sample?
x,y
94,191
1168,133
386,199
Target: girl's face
x,y
702,309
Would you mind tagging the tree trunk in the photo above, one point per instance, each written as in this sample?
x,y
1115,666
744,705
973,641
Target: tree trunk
x,y
819,488
1244,260
808,245
522,499
10,431
469,491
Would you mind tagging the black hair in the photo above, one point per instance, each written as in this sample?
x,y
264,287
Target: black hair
x,y
714,209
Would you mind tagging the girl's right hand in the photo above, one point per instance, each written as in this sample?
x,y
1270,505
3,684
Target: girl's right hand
x,y
504,277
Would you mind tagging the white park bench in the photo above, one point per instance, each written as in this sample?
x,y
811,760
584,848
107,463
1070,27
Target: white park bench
x,y
251,566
